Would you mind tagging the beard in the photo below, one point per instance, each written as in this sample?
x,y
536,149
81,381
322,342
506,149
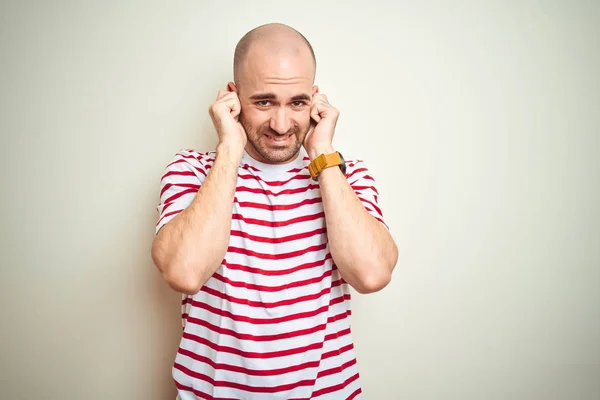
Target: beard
x,y
274,153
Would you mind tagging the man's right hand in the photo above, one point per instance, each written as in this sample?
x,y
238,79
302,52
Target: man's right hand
x,y
225,112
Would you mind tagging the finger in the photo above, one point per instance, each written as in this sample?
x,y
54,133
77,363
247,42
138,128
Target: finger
x,y
320,98
232,101
221,94
314,113
312,127
236,107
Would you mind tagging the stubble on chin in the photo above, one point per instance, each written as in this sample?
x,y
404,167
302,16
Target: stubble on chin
x,y
257,140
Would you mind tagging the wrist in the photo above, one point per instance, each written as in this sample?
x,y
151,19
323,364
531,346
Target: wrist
x,y
318,150
230,152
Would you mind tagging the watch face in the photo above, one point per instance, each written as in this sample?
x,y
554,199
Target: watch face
x,y
343,164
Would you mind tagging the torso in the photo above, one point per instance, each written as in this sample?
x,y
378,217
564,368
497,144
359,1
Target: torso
x,y
274,320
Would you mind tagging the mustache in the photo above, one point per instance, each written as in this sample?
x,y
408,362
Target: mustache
x,y
266,130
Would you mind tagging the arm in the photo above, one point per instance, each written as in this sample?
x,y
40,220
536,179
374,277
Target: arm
x,y
361,246
190,247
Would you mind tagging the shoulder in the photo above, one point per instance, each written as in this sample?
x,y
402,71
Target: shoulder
x,y
193,157
189,162
356,168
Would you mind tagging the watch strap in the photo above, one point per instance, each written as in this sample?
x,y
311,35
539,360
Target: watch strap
x,y
323,162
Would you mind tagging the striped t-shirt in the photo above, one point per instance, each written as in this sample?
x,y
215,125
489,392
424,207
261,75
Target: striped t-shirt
x,y
273,322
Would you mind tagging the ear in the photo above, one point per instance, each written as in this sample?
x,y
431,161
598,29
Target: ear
x,y
231,87
315,90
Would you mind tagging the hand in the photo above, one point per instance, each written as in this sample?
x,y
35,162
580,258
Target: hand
x,y
225,113
324,116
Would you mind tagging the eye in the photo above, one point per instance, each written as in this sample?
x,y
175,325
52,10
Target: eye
x,y
298,103
263,103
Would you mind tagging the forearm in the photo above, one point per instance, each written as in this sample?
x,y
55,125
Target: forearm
x,y
190,248
362,248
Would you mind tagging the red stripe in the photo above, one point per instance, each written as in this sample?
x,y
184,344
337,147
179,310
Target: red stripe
x,y
177,173
178,195
371,203
254,270
268,321
263,288
336,370
280,256
248,354
199,169
359,188
262,372
367,177
194,189
356,171
275,224
274,183
239,386
262,338
354,394
181,185
296,170
248,371
282,239
270,193
337,352
254,338
261,304
171,200
200,157
268,372
167,215
337,335
363,180
279,207
335,388
250,168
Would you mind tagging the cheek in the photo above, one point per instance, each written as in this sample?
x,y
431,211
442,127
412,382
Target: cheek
x,y
302,118
255,119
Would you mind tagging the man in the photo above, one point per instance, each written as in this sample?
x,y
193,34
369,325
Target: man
x,y
264,236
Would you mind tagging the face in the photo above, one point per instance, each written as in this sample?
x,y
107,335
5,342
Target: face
x,y
275,97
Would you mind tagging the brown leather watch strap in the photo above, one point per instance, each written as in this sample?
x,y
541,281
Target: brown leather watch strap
x,y
323,162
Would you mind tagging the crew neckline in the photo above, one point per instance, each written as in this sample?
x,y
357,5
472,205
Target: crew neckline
x,y
298,162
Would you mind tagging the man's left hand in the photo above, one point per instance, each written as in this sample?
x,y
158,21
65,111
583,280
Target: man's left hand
x,y
324,116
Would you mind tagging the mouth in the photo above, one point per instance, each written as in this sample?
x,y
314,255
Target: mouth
x,y
279,140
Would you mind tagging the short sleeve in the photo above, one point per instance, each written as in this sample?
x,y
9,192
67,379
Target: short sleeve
x,y
179,184
364,185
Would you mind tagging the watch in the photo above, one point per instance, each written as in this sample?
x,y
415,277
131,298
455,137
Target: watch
x,y
325,161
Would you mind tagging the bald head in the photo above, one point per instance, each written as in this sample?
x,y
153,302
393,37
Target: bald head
x,y
270,42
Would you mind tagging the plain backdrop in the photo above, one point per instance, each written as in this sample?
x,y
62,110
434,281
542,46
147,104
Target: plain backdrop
x,y
479,121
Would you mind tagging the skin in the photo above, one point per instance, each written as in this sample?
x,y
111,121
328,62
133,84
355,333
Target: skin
x,y
275,92
273,110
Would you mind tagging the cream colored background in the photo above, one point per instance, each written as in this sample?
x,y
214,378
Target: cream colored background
x,y
479,122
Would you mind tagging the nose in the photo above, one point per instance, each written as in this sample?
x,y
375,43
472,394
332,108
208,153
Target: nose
x,y
280,122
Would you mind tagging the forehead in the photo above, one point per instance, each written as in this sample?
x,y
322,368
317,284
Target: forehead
x,y
284,73
278,89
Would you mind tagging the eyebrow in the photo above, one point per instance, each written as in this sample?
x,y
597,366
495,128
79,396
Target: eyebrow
x,y
272,96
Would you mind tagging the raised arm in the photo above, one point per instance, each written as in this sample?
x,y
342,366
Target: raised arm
x,y
361,246
190,247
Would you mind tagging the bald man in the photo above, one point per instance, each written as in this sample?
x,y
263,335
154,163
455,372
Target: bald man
x,y
265,235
